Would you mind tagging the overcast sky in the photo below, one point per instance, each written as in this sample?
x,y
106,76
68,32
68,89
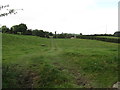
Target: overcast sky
x,y
67,16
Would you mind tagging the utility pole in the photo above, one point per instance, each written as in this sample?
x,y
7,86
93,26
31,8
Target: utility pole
x,y
55,34
106,29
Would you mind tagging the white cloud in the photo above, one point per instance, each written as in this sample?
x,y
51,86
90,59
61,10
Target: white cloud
x,y
72,16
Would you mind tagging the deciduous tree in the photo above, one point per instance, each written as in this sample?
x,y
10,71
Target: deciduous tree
x,y
5,29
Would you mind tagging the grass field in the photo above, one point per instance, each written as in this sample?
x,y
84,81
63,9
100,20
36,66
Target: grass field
x,y
108,37
61,63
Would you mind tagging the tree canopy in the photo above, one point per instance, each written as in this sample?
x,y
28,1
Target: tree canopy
x,y
117,34
4,29
19,28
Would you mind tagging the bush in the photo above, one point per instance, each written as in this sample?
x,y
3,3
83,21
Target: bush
x,y
117,34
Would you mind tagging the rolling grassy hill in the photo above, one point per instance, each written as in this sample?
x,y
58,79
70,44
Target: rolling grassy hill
x,y
61,63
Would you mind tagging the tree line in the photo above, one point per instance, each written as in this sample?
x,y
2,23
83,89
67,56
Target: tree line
x,y
22,29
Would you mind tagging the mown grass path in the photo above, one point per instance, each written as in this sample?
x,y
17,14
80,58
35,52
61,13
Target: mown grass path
x,y
62,64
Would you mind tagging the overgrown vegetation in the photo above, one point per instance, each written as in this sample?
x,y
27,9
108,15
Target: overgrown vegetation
x,y
63,63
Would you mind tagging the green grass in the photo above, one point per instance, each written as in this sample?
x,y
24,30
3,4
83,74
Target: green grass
x,y
61,63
